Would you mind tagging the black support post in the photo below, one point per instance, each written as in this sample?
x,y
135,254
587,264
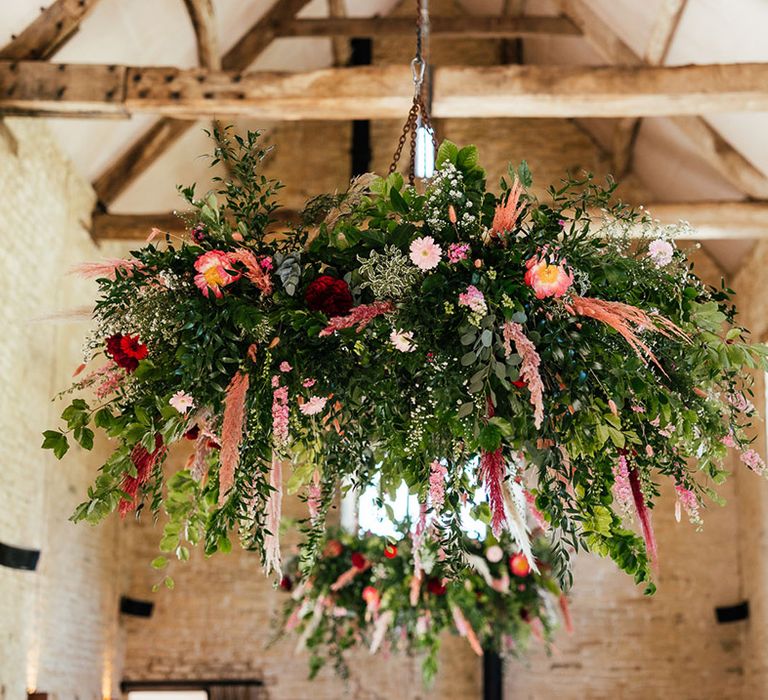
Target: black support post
x,y
361,55
493,676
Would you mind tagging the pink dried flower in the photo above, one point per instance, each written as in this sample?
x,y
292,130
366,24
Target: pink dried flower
x,y
425,253
437,472
492,474
106,268
644,516
529,367
687,499
254,271
313,406
622,490
232,432
285,366
507,214
359,316
753,460
458,252
308,383
474,299
729,440
266,263
280,416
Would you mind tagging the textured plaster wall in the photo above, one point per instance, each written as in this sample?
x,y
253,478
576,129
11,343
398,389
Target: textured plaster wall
x,y
58,625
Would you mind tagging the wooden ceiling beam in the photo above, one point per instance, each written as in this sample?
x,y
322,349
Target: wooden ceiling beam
x,y
137,227
381,92
710,220
728,161
468,26
148,147
49,32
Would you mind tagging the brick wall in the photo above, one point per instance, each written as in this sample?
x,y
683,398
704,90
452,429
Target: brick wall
x,y
57,625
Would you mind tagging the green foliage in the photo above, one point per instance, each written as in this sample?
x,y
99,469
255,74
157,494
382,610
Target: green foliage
x,y
429,375
334,619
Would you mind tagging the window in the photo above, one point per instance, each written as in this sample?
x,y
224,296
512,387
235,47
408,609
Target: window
x,y
376,519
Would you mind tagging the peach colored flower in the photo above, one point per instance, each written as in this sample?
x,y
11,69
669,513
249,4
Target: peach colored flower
x,y
214,272
425,253
547,280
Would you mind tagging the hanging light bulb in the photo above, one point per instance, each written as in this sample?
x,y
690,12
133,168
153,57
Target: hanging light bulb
x,y
424,159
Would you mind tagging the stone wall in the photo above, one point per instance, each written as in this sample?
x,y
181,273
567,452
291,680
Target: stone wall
x,y
58,624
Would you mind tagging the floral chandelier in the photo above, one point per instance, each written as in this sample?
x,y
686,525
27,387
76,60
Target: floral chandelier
x,y
443,335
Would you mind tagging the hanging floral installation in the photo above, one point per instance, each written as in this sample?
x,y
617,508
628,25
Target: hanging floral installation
x,y
393,596
447,338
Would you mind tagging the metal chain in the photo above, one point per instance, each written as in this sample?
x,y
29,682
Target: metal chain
x,y
419,110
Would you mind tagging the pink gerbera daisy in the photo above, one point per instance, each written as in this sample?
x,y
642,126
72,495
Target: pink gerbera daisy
x,y
425,253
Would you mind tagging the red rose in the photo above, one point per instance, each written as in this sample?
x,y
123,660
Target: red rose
x,y
126,351
436,586
359,561
330,295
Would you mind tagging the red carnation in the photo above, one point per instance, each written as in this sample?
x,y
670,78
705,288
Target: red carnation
x,y
359,561
330,295
126,350
436,586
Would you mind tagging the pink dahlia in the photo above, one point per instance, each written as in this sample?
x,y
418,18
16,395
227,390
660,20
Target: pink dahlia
x,y
547,280
661,252
425,253
313,406
214,272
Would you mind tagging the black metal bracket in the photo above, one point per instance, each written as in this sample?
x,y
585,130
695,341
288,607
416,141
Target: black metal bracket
x,y
732,613
18,557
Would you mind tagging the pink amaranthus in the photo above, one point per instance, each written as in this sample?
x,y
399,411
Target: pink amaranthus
x,y
529,368
359,317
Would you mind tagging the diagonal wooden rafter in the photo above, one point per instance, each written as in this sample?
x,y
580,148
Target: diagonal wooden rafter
x,y
49,32
166,131
206,38
339,44
729,162
664,29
